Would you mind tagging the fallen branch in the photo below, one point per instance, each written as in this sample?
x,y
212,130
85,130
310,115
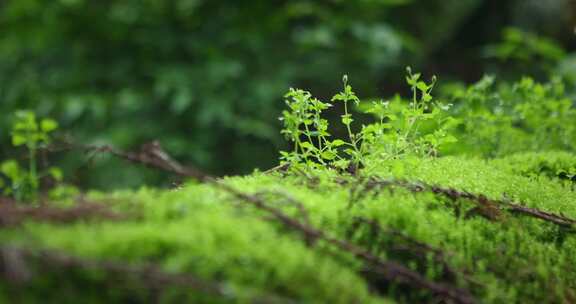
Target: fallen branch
x,y
488,208
6,201
152,155
507,206
390,270
413,246
290,201
14,215
543,215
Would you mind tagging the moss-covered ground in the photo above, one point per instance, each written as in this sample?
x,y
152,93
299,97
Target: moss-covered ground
x,y
456,224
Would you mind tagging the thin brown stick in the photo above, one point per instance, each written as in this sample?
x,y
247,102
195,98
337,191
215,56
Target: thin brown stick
x,y
14,215
482,201
417,248
153,156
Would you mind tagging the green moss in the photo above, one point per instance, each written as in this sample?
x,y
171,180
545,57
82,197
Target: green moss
x,y
555,165
205,232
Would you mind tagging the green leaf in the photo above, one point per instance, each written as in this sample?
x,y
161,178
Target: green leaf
x,y
48,125
21,126
422,86
18,140
412,79
449,139
338,97
350,152
307,145
341,164
328,155
427,97
26,116
347,119
11,169
56,173
337,143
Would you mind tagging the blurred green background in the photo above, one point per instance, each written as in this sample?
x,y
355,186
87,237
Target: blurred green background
x,y
206,78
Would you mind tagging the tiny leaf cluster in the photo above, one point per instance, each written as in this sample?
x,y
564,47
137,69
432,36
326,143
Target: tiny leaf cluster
x,y
395,133
33,134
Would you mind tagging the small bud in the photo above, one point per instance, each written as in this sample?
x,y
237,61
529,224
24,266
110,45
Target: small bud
x,y
345,79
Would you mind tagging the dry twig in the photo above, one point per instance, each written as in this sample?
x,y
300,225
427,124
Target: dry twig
x,y
152,155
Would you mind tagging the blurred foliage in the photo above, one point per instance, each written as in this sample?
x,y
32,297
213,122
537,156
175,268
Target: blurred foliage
x,y
498,120
33,134
523,51
206,77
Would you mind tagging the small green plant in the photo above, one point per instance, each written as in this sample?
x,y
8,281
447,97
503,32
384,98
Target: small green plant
x,y
525,47
390,137
29,132
507,118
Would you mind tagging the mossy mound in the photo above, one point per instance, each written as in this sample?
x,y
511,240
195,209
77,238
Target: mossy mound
x,y
448,220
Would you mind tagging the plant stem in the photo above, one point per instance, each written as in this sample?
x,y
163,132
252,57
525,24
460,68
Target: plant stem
x,y
350,130
33,175
414,109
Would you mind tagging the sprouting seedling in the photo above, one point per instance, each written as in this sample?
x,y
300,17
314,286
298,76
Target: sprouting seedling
x,y
27,131
346,96
306,129
384,139
380,110
420,102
